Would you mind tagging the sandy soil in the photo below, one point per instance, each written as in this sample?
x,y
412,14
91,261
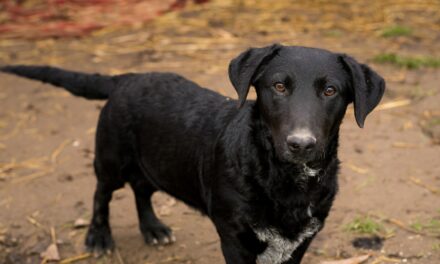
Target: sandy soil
x,y
390,169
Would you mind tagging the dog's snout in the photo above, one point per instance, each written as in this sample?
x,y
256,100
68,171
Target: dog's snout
x,y
301,142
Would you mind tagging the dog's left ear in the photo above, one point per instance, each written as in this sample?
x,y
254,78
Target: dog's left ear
x,y
242,70
368,88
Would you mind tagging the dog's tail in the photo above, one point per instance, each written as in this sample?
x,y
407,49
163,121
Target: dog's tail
x,y
90,86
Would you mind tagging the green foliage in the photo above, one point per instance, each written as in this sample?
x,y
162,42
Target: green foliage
x,y
435,121
407,62
417,226
396,31
418,92
334,33
364,225
432,226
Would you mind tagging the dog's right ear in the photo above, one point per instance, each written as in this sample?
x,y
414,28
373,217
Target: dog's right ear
x,y
368,88
242,70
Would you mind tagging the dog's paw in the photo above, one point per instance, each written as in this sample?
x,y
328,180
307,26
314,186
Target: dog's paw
x,y
99,240
157,234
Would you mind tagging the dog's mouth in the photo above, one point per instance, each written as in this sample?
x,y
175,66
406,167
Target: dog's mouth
x,y
303,159
308,165
311,172
297,159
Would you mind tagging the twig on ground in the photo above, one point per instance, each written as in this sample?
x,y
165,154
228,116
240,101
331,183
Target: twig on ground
x,y
32,176
118,256
75,258
381,259
419,182
393,104
354,260
59,149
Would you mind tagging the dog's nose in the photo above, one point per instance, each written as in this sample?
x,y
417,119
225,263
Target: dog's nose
x,y
301,142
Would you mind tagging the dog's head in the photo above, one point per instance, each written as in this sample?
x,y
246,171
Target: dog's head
x,y
303,93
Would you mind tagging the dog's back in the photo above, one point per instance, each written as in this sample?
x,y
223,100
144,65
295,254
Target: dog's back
x,y
171,125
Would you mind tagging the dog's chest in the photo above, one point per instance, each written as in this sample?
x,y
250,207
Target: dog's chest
x,y
279,248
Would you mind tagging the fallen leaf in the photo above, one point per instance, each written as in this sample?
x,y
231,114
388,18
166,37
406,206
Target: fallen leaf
x,y
51,253
80,223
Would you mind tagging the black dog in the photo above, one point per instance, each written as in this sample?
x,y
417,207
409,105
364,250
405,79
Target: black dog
x,y
264,172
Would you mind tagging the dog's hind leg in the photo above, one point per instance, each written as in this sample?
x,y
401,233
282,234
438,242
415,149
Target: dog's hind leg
x,y
99,239
110,158
152,229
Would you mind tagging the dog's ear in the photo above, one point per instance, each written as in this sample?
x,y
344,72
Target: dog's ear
x,y
243,69
368,88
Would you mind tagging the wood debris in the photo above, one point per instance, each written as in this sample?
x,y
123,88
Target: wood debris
x,y
75,258
393,104
356,168
34,221
119,257
383,259
59,149
354,260
32,176
419,182
173,259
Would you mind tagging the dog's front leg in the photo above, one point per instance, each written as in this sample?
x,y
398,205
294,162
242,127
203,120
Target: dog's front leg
x,y
239,243
298,254
235,252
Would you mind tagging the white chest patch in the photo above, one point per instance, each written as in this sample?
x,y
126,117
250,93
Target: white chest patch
x,y
279,249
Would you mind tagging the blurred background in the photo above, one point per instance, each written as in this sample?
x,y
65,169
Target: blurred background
x,y
388,208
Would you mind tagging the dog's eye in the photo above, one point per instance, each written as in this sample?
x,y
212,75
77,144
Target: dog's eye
x,y
329,91
279,87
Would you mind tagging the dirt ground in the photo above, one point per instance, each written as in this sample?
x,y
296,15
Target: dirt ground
x,y
390,178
